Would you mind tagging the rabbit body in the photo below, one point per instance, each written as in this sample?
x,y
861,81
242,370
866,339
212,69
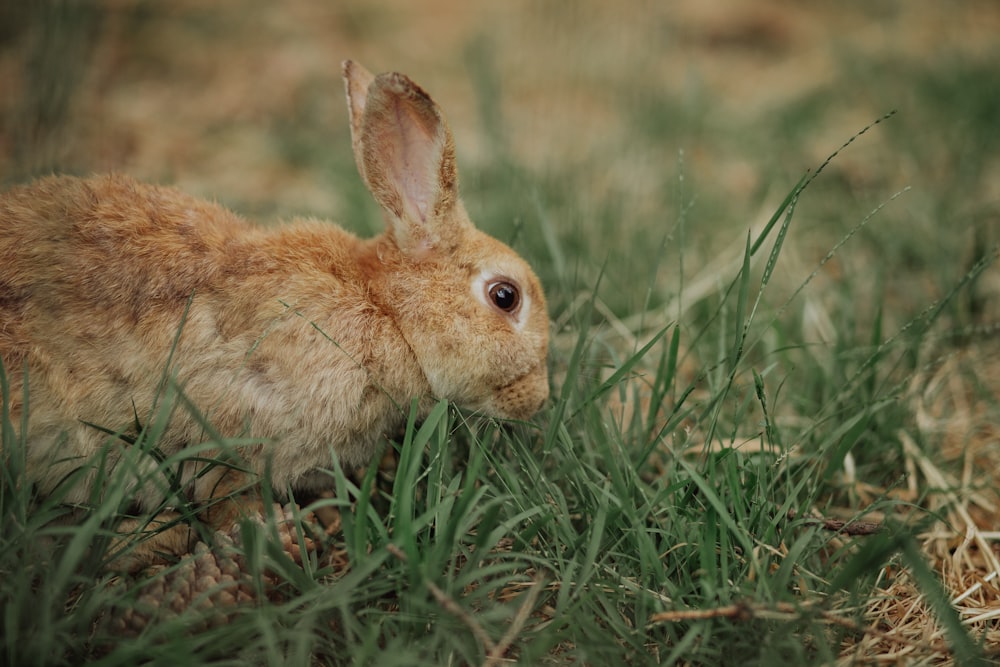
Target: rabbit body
x,y
102,273
303,338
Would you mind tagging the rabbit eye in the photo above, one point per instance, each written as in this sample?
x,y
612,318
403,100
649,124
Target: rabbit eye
x,y
504,296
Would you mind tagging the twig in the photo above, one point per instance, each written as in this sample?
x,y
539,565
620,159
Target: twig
x,y
494,650
839,526
495,655
848,527
739,611
451,606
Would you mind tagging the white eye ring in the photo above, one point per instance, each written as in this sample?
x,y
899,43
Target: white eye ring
x,y
503,295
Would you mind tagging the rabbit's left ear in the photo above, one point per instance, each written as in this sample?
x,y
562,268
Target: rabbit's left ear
x,y
356,81
406,154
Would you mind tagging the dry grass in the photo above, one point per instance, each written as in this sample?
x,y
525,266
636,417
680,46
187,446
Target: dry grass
x,y
961,542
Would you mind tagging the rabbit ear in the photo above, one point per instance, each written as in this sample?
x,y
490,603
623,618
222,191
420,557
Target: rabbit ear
x,y
406,154
357,80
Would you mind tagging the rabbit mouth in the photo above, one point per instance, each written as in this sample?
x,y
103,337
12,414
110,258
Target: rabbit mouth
x,y
522,397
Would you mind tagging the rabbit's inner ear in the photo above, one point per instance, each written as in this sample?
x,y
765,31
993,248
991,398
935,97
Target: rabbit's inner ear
x,y
414,163
409,159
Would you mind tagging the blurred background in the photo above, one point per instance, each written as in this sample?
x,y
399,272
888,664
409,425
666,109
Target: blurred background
x,y
638,141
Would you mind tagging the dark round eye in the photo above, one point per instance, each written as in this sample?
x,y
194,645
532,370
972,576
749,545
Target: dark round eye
x,y
504,296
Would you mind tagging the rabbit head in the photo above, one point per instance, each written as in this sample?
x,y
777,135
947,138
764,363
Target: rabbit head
x,y
471,310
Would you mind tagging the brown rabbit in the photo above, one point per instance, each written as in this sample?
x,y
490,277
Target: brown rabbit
x,y
303,337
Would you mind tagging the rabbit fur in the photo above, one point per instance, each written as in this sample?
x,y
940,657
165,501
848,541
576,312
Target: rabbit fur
x,y
302,337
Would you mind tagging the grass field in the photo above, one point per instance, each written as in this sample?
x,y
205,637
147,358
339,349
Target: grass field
x,y
774,432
